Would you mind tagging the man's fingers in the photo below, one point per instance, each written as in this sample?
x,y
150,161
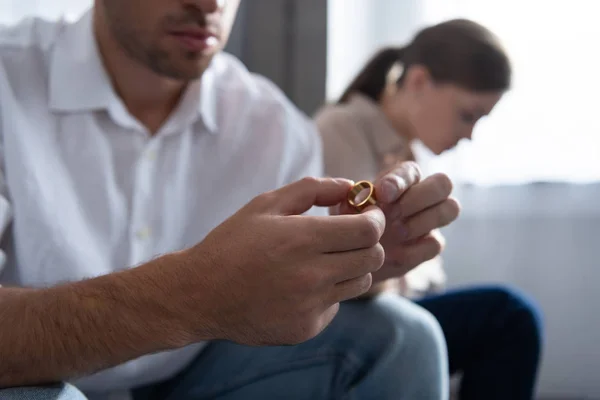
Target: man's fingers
x,y
301,196
432,218
403,259
341,267
421,196
352,288
329,314
343,208
339,233
393,183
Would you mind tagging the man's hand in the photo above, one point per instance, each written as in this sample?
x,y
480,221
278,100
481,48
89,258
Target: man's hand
x,y
414,209
267,275
274,276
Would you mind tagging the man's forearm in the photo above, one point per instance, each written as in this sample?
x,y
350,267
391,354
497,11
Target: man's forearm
x,y
59,333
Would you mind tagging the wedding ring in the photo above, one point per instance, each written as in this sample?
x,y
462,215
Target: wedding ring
x,y
359,203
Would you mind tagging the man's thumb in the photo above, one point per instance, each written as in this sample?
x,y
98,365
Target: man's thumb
x,y
300,196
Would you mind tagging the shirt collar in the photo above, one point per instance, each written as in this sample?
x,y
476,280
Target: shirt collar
x,y
385,138
206,95
79,82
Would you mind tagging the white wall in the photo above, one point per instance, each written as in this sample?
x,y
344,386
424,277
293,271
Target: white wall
x,y
544,239
358,28
13,10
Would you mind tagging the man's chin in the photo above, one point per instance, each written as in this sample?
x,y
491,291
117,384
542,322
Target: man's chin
x,y
189,71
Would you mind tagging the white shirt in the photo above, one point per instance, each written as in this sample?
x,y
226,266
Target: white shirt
x,y
89,191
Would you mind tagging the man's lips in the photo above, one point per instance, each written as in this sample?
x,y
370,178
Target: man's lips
x,y
196,39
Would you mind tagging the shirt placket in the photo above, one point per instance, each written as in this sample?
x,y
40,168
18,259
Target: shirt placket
x,y
143,214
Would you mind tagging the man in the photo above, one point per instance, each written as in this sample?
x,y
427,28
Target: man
x,y
126,140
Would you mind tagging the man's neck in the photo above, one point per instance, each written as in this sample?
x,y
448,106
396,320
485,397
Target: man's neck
x,y
149,97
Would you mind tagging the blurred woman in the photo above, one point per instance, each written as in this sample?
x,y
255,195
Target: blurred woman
x,y
435,90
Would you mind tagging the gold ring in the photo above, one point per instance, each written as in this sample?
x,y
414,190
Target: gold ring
x,y
356,190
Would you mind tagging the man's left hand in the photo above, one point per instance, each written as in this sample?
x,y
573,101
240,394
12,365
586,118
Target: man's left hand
x,y
414,209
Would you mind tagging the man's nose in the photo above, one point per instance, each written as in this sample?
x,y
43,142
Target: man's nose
x,y
206,6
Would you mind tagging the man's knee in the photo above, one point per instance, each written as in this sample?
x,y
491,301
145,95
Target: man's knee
x,y
410,327
55,392
414,350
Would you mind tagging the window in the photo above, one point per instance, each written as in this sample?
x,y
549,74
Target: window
x,y
546,128
12,11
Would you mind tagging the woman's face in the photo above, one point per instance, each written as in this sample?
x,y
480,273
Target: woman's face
x,y
444,114
439,115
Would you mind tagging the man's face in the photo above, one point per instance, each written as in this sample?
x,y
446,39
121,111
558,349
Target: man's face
x,y
174,38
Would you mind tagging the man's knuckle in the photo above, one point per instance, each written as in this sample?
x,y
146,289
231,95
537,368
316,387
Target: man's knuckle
x,y
308,329
447,212
283,247
407,172
436,235
441,217
371,259
265,200
444,185
414,171
310,181
453,207
378,255
434,249
441,245
364,284
369,231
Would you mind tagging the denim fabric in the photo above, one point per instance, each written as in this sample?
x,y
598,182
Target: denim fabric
x,y
386,348
56,392
494,337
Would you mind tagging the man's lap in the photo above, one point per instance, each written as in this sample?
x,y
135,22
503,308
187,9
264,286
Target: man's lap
x,y
324,367
55,392
388,345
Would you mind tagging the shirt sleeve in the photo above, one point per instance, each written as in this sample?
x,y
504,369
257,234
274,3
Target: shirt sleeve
x,y
346,149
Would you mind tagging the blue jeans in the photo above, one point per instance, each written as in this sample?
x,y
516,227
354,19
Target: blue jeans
x,y
385,348
56,392
494,338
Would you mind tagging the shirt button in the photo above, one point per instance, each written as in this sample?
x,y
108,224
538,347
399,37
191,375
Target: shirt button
x,y
143,233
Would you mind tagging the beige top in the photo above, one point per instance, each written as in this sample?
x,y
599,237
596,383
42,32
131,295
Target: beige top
x,y
358,143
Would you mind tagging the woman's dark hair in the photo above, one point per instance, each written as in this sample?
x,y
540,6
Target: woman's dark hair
x,y
458,51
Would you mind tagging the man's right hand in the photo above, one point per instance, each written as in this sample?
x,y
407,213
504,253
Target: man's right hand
x,y
267,275
274,276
